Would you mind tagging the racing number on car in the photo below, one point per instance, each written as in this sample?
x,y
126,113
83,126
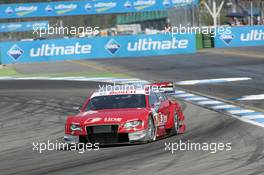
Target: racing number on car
x,y
161,119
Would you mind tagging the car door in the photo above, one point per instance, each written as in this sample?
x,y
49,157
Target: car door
x,y
158,103
155,105
164,108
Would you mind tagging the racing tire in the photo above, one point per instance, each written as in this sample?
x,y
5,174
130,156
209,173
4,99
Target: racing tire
x,y
176,123
151,130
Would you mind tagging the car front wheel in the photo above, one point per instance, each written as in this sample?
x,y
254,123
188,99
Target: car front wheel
x,y
151,130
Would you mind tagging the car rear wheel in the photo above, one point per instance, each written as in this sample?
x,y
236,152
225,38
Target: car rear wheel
x,y
176,123
151,130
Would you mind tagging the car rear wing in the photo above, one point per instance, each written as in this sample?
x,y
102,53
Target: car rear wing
x,y
166,87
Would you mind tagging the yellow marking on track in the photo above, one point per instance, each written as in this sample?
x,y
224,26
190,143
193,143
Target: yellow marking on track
x,y
92,65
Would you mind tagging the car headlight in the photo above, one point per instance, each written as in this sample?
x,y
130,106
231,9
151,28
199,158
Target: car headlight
x,y
133,124
75,127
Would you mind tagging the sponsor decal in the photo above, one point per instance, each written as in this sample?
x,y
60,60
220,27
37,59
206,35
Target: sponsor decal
x,y
121,46
166,3
161,119
15,52
54,50
152,45
63,8
128,4
13,27
88,6
112,46
9,10
103,6
227,38
143,4
21,26
25,10
92,120
181,2
48,8
253,35
38,25
122,92
110,119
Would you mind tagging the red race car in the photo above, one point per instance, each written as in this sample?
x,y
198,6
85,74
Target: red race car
x,y
126,116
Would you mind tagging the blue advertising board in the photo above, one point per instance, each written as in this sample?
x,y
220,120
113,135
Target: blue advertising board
x,y
97,47
23,26
241,36
86,7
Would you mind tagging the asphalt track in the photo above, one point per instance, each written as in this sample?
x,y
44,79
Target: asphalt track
x,y
32,111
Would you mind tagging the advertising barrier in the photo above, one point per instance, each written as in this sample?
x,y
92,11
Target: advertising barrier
x,y
241,36
97,47
85,7
23,26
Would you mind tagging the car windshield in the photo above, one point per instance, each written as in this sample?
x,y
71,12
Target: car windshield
x,y
117,102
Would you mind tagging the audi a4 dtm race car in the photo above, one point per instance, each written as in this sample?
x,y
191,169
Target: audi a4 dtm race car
x,y
125,116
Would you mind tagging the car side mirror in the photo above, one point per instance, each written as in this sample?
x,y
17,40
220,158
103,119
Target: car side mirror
x,y
156,106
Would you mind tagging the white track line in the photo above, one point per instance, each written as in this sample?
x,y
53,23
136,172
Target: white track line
x,y
210,102
211,81
241,111
196,98
223,106
251,97
185,95
253,116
